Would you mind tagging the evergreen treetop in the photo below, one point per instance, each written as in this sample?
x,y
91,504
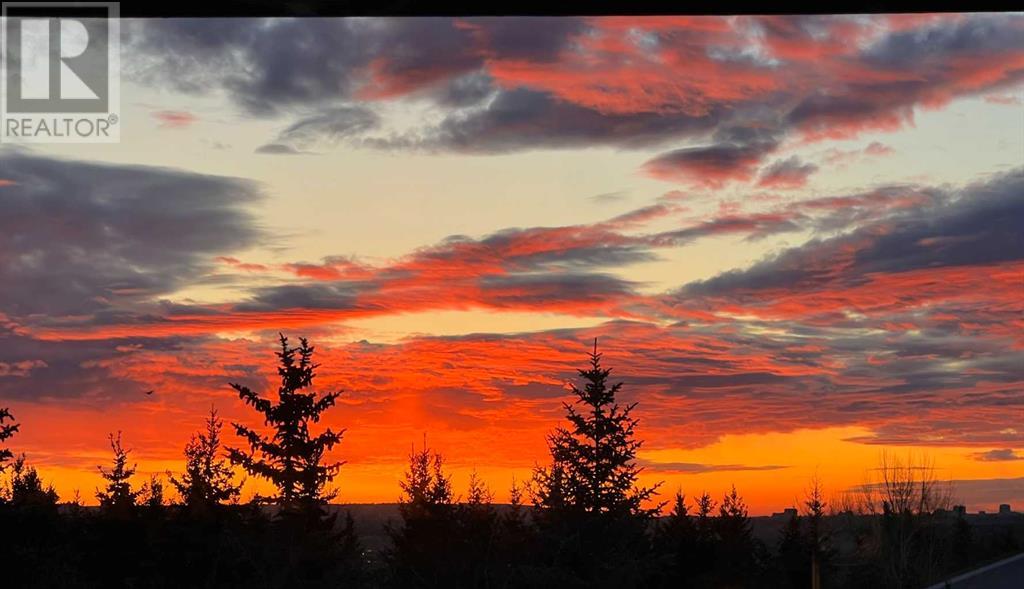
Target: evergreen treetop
x,y
426,486
208,479
291,458
594,460
27,489
118,494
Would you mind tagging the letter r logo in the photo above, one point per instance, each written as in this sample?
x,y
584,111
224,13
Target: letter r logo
x,y
57,63
37,59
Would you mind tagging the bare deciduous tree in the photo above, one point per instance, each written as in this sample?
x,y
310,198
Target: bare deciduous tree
x,y
904,497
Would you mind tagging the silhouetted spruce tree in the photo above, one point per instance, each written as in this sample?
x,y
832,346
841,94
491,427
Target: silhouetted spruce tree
x,y
33,548
819,541
590,504
426,486
739,555
309,551
291,458
515,517
550,491
6,431
478,529
118,497
733,521
152,494
27,489
425,546
118,529
478,495
676,541
706,548
224,547
597,453
515,536
208,480
794,554
515,499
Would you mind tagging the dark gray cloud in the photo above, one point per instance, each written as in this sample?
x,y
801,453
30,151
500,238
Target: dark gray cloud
x,y
309,68
76,236
735,154
979,224
823,110
75,369
334,124
535,39
754,226
977,34
268,66
328,126
98,244
522,118
788,173
281,149
711,164
609,197
468,90
946,59
574,290
339,296
998,455
265,66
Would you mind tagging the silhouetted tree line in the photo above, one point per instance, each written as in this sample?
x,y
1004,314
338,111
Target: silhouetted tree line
x,y
583,520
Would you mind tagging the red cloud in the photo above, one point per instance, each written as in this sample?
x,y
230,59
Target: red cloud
x,y
235,262
710,167
692,66
612,70
786,174
333,268
174,119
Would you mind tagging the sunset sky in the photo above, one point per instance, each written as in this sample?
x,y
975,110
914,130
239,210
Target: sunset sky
x,y
798,240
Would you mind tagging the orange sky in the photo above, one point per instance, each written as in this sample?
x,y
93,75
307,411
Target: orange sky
x,y
476,427
796,238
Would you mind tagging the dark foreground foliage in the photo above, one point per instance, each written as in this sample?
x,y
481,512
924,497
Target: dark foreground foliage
x,y
46,545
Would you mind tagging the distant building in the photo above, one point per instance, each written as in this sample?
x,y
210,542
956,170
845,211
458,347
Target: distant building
x,y
960,510
1004,509
786,513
